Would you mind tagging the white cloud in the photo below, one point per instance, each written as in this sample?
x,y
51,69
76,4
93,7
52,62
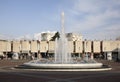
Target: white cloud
x,y
99,15
25,37
108,32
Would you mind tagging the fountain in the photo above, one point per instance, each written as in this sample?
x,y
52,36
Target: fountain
x,y
63,60
62,54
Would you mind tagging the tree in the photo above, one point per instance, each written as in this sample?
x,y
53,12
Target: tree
x,y
57,35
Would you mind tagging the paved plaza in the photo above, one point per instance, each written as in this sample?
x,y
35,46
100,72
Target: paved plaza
x,y
7,74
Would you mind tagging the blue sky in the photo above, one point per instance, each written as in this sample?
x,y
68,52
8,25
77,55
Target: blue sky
x,y
94,19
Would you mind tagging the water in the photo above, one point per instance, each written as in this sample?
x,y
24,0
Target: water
x,y
62,54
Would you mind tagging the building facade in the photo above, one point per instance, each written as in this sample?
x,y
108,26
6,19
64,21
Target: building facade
x,y
74,37
109,50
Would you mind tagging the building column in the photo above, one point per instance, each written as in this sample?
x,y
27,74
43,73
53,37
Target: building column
x,y
83,55
29,55
109,56
39,55
105,56
79,56
91,56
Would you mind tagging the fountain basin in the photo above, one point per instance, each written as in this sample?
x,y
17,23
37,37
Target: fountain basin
x,y
64,66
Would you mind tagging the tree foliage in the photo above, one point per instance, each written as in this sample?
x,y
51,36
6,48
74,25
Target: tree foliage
x,y
57,35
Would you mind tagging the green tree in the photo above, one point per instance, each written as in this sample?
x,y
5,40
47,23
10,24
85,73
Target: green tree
x,y
57,35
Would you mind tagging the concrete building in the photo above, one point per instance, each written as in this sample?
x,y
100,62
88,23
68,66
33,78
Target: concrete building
x,y
51,46
115,48
74,37
34,46
5,48
35,49
71,46
106,46
25,49
109,50
87,46
106,49
96,47
8,46
78,46
115,45
16,46
43,46
46,36
25,46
